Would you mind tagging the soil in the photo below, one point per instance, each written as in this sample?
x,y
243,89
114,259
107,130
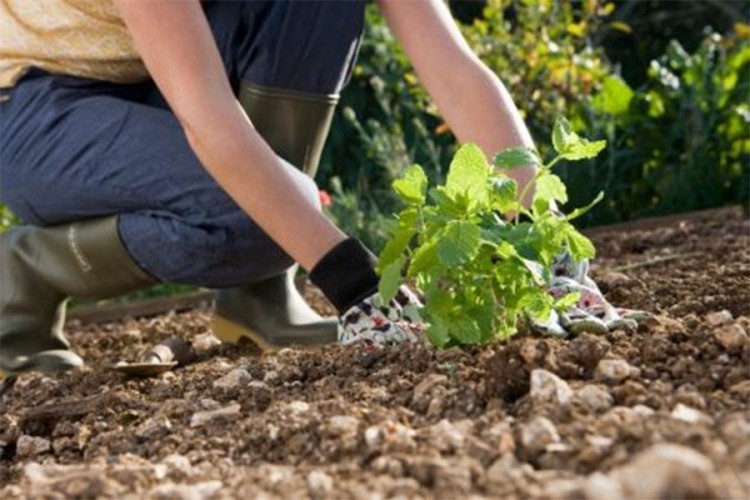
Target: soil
x,y
658,412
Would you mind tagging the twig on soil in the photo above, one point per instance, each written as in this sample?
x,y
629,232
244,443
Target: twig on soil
x,y
70,408
650,262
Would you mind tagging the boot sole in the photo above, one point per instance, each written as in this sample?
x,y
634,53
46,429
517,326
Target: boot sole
x,y
231,333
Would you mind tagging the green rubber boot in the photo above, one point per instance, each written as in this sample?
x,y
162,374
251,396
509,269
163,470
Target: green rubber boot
x,y
272,313
42,267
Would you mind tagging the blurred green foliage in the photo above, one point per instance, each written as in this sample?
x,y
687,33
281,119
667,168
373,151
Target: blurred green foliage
x,y
679,139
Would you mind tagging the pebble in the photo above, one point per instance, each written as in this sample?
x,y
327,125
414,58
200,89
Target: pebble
x,y
731,337
319,482
230,412
194,491
593,398
233,379
445,436
154,427
600,486
178,463
546,387
538,434
425,386
689,415
343,425
719,318
205,341
613,371
667,470
31,446
298,407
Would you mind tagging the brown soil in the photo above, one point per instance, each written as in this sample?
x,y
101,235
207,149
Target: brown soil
x,y
415,422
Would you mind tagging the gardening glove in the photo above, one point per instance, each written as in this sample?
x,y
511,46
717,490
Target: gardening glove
x,y
374,323
593,313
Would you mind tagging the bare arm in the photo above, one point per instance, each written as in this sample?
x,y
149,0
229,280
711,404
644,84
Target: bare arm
x,y
178,48
474,102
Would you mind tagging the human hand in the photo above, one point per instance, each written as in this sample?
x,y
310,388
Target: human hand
x,y
593,313
375,324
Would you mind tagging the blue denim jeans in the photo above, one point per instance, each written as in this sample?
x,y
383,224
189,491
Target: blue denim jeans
x,y
74,148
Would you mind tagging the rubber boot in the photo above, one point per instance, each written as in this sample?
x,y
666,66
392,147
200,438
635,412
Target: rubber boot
x,y
272,313
40,267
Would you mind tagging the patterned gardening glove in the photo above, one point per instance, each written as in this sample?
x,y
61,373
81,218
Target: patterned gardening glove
x,y
592,313
375,324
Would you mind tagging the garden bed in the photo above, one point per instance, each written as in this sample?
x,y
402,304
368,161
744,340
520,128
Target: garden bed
x,y
663,411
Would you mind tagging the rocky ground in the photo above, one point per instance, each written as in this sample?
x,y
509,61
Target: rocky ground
x,y
661,412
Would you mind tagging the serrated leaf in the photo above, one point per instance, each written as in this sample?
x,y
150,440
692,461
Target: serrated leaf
x,y
402,235
425,259
561,134
570,145
536,303
580,247
584,149
390,279
437,334
521,156
567,301
467,176
581,211
551,187
503,194
412,187
458,243
464,330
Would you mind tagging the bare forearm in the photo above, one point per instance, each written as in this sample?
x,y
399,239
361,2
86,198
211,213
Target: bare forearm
x,y
484,113
246,167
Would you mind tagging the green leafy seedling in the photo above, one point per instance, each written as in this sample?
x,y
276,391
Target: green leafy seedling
x,y
483,275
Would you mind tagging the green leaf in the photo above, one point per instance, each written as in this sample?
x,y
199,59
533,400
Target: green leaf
x,y
536,302
437,333
584,149
399,241
570,145
580,246
458,243
468,174
425,259
567,301
581,211
550,187
390,279
503,194
465,330
614,97
561,134
521,156
412,187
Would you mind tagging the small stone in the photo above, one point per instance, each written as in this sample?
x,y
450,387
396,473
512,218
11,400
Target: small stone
x,y
270,376
613,371
480,451
719,318
230,412
298,407
546,387
688,414
373,436
667,471
425,386
178,463
31,446
154,427
205,342
599,486
593,398
445,436
613,279
538,434
205,489
342,425
731,337
9,430
233,379
319,482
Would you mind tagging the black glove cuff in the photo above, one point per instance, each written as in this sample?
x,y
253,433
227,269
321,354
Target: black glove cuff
x,y
346,274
